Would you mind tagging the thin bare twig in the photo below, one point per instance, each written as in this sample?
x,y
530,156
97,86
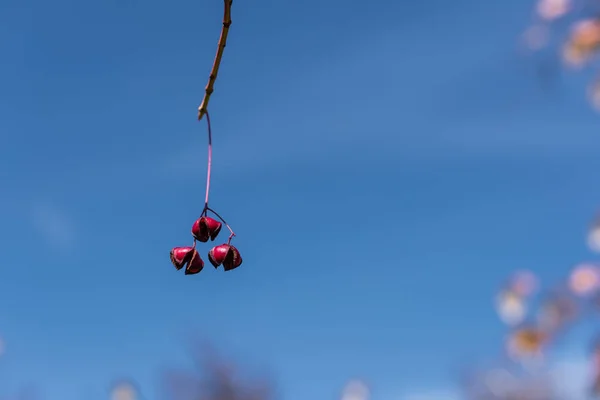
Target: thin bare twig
x,y
215,68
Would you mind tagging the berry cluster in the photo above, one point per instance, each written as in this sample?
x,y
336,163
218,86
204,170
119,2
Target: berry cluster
x,y
204,229
225,254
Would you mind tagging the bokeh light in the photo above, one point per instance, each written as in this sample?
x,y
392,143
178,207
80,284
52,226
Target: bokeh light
x,y
511,302
356,390
124,390
511,308
526,342
524,283
584,279
552,9
582,42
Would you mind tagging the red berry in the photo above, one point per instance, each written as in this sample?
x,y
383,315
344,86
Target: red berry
x,y
180,256
206,228
195,265
226,255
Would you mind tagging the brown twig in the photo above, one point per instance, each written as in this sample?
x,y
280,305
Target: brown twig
x,y
215,68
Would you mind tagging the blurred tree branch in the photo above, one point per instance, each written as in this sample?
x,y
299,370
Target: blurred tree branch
x,y
216,379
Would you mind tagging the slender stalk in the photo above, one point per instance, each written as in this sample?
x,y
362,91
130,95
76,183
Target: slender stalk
x,y
231,232
209,167
217,62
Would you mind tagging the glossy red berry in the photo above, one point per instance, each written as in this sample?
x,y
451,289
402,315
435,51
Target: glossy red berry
x,y
195,265
180,256
206,228
187,257
226,255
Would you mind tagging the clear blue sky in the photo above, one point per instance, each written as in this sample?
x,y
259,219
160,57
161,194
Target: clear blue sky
x,y
385,164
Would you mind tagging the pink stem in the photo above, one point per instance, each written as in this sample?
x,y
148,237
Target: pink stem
x,y
209,163
231,232
208,172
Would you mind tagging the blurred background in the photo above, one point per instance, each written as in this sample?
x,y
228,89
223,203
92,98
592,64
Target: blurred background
x,y
388,167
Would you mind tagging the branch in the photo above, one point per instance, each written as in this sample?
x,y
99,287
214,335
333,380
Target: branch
x,y
217,62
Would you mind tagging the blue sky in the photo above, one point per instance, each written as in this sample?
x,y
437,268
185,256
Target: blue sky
x,y
385,165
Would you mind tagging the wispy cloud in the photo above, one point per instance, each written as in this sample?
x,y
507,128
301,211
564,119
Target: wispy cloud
x,y
54,225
